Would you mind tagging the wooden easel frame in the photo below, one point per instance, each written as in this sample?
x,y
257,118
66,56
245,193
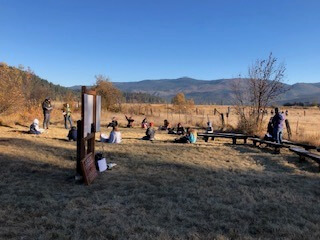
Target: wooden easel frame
x,y
89,140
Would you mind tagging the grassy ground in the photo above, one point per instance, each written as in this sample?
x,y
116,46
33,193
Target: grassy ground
x,y
158,190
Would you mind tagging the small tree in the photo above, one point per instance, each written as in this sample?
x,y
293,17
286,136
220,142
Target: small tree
x,y
111,97
264,84
181,103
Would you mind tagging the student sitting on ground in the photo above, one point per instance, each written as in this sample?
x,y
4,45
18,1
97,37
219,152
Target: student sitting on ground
x,y
144,123
180,129
130,121
191,137
150,133
209,127
72,135
166,125
113,123
114,137
34,127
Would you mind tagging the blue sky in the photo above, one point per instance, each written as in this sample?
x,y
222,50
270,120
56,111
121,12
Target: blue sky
x,y
69,41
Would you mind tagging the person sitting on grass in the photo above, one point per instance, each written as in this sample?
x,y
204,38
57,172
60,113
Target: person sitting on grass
x,y
72,135
34,128
113,123
114,137
191,137
130,121
144,123
180,129
166,125
150,133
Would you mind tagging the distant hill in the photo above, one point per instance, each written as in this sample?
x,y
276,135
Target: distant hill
x,y
213,91
32,85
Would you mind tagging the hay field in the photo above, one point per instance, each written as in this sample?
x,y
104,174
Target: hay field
x,y
158,190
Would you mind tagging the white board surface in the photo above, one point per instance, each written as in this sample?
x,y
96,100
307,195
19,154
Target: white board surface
x,y
98,113
88,114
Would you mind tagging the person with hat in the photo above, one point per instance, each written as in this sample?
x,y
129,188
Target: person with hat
x,y
47,108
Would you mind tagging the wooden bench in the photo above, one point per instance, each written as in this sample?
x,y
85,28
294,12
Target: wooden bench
x,y
305,146
277,146
304,153
233,136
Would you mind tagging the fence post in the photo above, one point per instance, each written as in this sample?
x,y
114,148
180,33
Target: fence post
x,y
288,128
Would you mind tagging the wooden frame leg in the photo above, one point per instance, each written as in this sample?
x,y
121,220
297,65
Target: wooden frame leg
x,y
302,158
234,141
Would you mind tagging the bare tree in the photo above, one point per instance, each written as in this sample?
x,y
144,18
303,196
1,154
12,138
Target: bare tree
x,y
262,86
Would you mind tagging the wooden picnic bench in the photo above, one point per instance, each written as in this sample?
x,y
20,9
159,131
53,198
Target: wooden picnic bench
x,y
233,136
304,153
305,146
277,146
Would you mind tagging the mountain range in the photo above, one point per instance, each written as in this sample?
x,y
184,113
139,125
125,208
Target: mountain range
x,y
215,91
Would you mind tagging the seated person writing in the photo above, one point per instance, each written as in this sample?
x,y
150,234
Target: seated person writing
x,y
166,125
114,137
34,128
191,137
150,133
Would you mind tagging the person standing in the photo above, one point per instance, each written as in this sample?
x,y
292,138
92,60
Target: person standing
x,y
277,122
47,108
66,111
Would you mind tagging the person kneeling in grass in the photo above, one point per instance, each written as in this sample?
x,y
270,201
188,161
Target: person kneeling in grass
x,y
150,133
72,135
114,137
34,128
191,137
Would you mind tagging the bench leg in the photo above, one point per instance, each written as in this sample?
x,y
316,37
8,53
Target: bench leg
x,y
245,141
277,150
254,143
206,139
302,158
234,141
212,138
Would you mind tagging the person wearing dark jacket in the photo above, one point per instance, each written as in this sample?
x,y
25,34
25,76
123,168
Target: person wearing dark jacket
x,y
130,122
72,135
47,108
277,122
269,135
180,129
150,133
113,123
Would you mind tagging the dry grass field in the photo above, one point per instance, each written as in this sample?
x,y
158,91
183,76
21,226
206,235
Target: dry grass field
x,y
158,190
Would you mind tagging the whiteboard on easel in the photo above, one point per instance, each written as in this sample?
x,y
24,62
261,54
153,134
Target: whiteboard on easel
x,y
98,113
88,114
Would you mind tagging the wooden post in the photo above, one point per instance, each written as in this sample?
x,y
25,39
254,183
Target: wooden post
x,y
222,120
288,129
85,156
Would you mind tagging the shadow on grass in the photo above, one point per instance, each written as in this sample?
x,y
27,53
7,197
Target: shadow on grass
x,y
148,197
